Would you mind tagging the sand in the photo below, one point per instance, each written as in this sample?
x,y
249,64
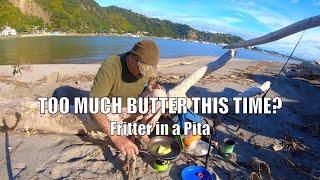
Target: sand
x,y
43,154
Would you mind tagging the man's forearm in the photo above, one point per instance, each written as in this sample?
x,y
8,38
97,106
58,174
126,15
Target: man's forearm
x,y
121,143
103,121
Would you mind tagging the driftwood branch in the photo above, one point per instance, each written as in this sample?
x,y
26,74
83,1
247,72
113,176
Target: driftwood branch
x,y
253,91
181,89
281,33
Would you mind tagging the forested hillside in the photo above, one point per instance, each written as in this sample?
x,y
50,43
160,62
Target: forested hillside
x,y
12,16
167,28
86,16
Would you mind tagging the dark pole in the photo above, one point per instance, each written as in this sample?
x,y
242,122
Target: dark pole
x,y
209,149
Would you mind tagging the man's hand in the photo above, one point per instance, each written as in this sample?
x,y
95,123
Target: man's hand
x,y
156,86
124,145
152,84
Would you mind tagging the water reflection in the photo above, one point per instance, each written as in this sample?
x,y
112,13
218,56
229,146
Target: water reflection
x,y
57,50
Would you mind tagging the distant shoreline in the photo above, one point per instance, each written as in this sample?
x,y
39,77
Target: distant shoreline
x,y
69,35
123,36
101,35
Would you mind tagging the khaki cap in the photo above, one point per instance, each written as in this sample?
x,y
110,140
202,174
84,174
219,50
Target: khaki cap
x,y
148,55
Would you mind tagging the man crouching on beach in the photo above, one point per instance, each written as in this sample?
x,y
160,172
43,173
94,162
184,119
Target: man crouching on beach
x,y
131,74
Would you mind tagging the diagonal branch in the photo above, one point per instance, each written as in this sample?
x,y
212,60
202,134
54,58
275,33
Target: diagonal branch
x,y
181,89
281,33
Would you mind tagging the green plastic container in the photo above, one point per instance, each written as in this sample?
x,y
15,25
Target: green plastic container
x,y
161,166
228,146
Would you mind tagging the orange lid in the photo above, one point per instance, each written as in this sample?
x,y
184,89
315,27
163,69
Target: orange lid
x,y
191,138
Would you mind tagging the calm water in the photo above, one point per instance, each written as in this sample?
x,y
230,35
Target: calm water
x,y
58,50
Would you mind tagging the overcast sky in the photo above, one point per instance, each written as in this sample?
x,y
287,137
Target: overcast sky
x,y
247,19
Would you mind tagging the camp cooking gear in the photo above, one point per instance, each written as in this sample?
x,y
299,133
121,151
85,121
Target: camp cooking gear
x,y
163,159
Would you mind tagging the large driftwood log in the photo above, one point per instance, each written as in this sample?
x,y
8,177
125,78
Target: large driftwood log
x,y
281,33
253,91
24,115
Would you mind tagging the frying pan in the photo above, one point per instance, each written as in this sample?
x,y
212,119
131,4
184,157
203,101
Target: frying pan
x,y
156,142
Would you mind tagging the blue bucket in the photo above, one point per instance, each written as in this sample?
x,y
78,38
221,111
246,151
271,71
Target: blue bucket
x,y
196,173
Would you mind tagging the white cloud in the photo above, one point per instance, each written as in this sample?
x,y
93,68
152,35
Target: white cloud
x,y
266,17
225,24
316,2
222,21
221,24
230,20
308,48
